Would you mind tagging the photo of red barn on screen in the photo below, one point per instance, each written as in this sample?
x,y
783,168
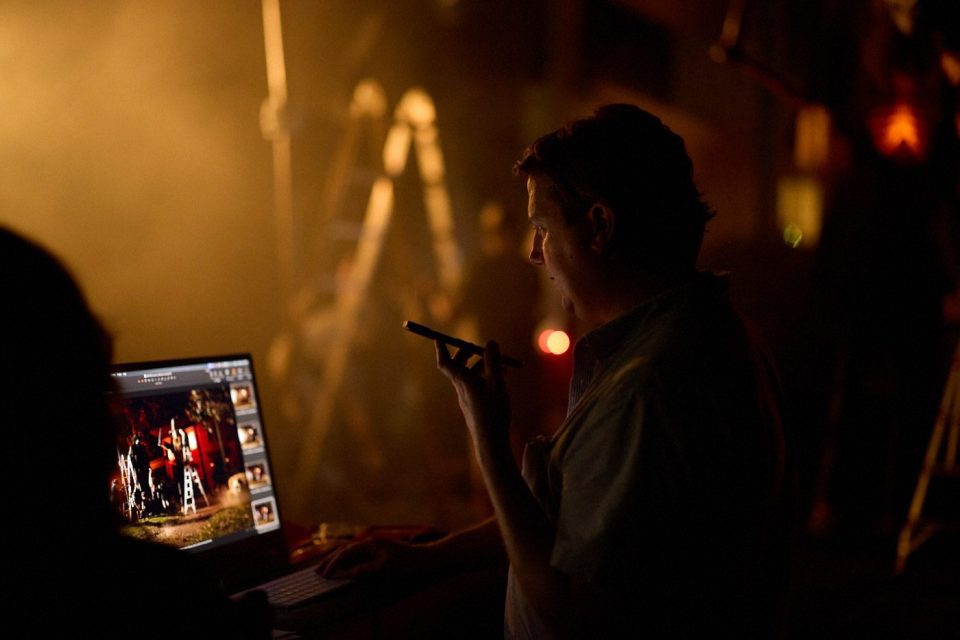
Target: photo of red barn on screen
x,y
180,477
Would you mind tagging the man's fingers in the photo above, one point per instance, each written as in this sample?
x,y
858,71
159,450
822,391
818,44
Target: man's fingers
x,y
450,365
345,559
462,357
491,360
443,357
329,561
355,571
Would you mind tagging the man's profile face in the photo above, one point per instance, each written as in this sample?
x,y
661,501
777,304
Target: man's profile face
x,y
558,247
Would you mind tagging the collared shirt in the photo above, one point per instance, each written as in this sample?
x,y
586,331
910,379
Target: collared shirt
x,y
666,481
595,349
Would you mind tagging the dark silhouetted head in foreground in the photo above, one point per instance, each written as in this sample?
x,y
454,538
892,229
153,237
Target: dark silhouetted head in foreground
x,y
75,575
54,373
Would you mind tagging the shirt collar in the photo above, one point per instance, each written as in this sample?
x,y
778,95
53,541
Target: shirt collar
x,y
601,343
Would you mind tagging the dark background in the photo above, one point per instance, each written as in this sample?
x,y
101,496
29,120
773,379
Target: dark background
x,y
131,145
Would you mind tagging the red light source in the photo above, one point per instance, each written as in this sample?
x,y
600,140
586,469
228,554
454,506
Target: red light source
x,y
553,342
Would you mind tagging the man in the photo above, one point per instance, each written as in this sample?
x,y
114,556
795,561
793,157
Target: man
x,y
139,457
663,505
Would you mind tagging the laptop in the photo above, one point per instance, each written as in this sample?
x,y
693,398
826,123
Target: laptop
x,y
194,472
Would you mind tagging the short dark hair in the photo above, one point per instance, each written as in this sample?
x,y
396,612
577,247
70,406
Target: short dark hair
x,y
49,333
628,159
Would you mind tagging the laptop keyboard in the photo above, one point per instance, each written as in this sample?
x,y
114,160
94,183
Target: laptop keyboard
x,y
298,587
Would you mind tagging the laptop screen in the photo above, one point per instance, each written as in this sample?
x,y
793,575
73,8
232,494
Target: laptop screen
x,y
192,468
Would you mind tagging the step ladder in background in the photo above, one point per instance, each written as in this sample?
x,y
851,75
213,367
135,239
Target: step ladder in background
x,y
939,464
413,131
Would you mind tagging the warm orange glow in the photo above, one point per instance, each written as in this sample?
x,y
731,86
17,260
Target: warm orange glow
x,y
396,149
553,342
800,210
429,156
273,44
369,99
811,145
416,107
950,64
902,129
898,131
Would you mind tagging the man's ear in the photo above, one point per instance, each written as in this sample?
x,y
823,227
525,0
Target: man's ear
x,y
602,224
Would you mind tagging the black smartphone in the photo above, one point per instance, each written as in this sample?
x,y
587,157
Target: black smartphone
x,y
475,349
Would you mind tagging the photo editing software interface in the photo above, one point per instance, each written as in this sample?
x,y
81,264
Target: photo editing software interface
x,y
192,469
